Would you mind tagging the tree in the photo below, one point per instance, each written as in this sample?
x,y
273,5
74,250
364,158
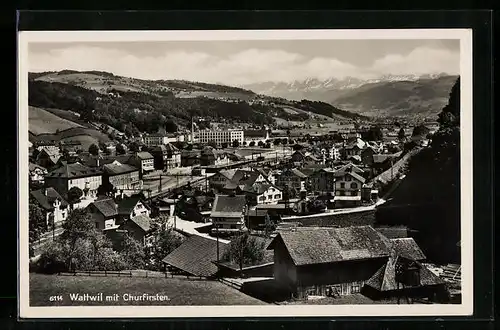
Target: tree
x,y
236,144
106,189
401,134
224,145
37,223
244,143
65,155
120,149
245,250
132,252
420,130
167,240
170,126
134,147
74,196
94,149
277,141
268,145
78,228
251,144
260,144
212,144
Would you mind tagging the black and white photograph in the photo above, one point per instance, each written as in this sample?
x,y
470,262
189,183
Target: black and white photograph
x,y
245,173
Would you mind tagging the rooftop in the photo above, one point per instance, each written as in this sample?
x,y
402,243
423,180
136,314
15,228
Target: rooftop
x,y
228,206
74,170
196,255
328,245
46,197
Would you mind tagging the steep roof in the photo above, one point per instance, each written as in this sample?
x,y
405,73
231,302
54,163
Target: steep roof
x,y
353,174
228,174
126,205
385,278
328,245
228,206
142,221
52,154
116,168
408,248
107,207
46,200
74,170
294,172
196,255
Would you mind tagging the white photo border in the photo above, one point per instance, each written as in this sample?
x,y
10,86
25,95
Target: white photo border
x,y
466,153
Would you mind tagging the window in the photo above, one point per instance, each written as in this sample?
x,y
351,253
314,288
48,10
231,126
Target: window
x,y
342,185
354,185
97,225
342,193
355,288
233,226
354,193
277,196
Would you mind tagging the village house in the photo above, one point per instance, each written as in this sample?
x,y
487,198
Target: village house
x,y
210,156
190,158
262,193
354,148
322,182
54,206
130,207
121,176
104,213
348,188
166,157
221,178
319,261
144,161
110,148
67,176
139,228
37,173
228,214
292,178
48,157
49,146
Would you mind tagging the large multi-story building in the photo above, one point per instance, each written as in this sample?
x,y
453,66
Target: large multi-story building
x,y
220,136
153,140
67,176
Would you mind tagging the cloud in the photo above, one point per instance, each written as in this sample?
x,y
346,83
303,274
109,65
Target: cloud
x,y
421,60
248,66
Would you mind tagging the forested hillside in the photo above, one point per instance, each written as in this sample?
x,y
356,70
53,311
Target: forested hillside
x,y
428,199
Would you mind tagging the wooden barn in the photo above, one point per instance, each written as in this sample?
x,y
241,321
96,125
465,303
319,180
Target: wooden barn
x,y
327,261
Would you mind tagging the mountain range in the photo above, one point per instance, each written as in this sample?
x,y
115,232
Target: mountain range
x,y
409,96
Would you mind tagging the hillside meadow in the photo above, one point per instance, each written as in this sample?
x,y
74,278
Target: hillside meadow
x,y
42,121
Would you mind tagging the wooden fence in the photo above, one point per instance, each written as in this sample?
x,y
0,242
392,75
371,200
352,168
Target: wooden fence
x,y
130,273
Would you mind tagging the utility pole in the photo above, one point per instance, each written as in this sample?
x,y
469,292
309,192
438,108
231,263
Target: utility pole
x,y
217,234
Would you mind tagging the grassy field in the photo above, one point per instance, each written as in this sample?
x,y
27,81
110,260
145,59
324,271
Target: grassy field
x,y
179,290
42,121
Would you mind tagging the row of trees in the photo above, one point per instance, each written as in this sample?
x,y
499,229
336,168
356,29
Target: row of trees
x,y
83,247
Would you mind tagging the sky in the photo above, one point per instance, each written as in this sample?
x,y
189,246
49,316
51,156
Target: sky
x,y
246,62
